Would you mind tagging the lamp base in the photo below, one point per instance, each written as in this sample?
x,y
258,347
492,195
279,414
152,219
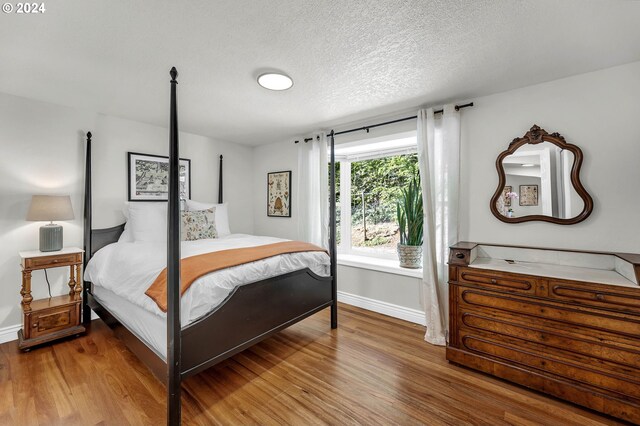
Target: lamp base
x,y
51,237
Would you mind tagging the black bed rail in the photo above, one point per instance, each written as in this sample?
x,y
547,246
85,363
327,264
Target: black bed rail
x,y
220,182
86,311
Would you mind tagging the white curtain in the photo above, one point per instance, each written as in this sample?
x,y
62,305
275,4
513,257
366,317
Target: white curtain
x,y
313,191
439,160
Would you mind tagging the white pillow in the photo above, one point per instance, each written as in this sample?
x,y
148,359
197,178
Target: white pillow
x,y
127,235
222,215
148,221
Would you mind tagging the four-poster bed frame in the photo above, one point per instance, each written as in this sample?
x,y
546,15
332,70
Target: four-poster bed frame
x,y
251,313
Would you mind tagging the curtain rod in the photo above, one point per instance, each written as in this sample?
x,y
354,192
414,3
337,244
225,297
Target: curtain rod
x,y
367,128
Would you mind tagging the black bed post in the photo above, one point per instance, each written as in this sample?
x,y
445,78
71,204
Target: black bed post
x,y
220,183
173,265
332,234
86,311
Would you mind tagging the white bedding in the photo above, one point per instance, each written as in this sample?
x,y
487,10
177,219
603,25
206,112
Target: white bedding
x,y
127,269
147,326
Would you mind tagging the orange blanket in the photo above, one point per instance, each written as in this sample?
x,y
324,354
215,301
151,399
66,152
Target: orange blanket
x,y
192,268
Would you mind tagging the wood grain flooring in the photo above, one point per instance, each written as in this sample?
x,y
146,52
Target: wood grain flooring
x,y
373,370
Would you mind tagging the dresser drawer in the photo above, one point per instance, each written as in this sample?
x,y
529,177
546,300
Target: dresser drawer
x,y
575,345
498,280
608,298
562,317
603,376
52,261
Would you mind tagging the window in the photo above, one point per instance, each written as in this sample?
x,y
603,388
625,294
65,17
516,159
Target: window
x,y
369,177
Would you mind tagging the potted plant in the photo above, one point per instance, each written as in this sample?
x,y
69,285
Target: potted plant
x,y
512,196
410,221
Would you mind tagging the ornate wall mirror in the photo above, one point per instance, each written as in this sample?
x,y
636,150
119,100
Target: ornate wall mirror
x,y
539,179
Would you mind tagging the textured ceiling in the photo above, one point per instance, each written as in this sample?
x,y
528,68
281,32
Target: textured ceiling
x,y
349,59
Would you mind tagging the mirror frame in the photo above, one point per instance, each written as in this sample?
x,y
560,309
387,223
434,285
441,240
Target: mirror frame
x,y
535,136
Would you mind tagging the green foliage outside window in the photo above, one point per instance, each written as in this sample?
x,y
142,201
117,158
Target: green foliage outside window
x,y
376,185
381,181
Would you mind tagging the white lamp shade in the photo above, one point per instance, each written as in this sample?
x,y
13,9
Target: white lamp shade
x,y
50,208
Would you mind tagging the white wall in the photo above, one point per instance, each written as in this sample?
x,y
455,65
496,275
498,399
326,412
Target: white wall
x,y
276,157
42,152
114,137
396,289
599,113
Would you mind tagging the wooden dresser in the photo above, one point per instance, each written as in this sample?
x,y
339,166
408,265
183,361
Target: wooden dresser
x,y
561,322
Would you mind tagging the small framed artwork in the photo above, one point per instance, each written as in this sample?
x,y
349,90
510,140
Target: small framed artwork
x,y
505,191
279,194
148,178
528,195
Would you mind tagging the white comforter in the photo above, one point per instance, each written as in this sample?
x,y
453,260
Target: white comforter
x,y
128,269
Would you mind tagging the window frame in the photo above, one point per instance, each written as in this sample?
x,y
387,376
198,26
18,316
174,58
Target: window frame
x,y
345,247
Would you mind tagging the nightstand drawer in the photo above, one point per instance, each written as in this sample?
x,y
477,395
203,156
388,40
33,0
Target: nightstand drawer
x,y
52,261
51,320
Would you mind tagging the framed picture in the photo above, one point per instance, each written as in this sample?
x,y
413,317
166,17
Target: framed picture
x,y
279,194
505,191
149,177
528,195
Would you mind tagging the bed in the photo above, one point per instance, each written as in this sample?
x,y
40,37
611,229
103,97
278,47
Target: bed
x,y
211,322
121,272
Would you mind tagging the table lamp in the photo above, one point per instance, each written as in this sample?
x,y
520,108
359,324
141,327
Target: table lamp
x,y
50,208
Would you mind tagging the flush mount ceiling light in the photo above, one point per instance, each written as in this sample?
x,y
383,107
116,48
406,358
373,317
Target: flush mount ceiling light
x,y
275,81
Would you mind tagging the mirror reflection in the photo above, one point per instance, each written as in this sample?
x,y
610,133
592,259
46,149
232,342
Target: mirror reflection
x,y
538,182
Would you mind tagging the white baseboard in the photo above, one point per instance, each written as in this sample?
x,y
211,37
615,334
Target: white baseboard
x,y
8,334
395,311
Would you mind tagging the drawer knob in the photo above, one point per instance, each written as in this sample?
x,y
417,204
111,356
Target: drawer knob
x,y
55,260
493,281
460,255
35,325
600,296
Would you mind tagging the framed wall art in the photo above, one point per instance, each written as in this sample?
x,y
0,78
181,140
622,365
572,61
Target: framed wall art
x,y
507,200
279,194
528,195
148,178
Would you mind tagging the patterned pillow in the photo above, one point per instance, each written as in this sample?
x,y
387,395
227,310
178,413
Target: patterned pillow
x,y
199,225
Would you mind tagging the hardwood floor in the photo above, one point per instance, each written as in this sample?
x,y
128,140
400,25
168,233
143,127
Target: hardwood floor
x,y
372,370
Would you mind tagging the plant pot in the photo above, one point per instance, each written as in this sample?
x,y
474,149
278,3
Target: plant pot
x,y
410,256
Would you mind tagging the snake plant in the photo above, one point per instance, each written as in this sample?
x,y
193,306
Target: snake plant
x,y
410,214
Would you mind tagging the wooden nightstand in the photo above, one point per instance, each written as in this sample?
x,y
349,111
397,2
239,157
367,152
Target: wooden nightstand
x,y
56,317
